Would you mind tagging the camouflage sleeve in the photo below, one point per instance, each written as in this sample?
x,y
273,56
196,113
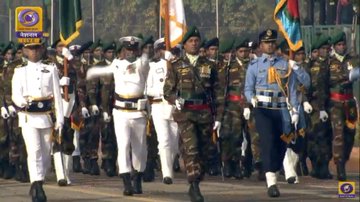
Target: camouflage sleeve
x,y
218,92
91,87
170,86
2,89
323,85
106,90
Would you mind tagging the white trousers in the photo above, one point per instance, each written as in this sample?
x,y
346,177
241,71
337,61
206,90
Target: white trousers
x,y
289,163
76,143
168,138
130,137
38,146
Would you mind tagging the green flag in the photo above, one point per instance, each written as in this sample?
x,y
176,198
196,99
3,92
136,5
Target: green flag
x,y
70,20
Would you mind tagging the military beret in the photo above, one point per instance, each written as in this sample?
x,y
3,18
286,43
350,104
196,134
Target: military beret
x,y
159,44
130,42
147,40
96,44
319,41
119,47
109,46
241,43
268,35
226,45
193,31
140,36
19,46
202,44
9,46
212,42
337,37
284,46
84,47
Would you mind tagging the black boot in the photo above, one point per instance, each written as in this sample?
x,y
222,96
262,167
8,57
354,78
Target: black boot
x,y
87,166
9,170
341,173
237,170
273,191
246,167
109,168
304,168
324,172
213,168
167,180
1,169
261,173
76,164
37,192
137,180
149,173
176,165
128,189
194,192
94,170
18,173
315,172
227,169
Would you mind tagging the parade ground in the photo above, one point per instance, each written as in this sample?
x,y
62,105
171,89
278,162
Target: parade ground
x,y
102,188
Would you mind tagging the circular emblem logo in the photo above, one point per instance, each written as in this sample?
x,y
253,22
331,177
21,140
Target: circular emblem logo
x,y
161,80
40,105
28,17
346,188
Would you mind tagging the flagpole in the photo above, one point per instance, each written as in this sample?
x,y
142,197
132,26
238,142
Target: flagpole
x,y
167,24
52,22
160,19
10,38
217,18
93,19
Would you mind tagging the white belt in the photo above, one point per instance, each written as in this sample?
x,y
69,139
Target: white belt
x,y
263,98
125,104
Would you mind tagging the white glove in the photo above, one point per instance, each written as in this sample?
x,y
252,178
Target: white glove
x,y
307,107
254,102
178,104
294,117
12,111
67,54
323,116
94,110
64,81
58,126
293,65
106,117
217,127
4,113
85,112
168,55
246,113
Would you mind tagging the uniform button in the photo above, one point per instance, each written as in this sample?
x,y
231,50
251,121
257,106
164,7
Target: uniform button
x,y
39,88
38,78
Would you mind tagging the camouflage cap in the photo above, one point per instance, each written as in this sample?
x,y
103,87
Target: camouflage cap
x,y
212,42
337,37
193,31
226,45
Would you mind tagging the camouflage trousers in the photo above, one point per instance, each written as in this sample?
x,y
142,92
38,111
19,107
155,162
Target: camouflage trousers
x,y
89,138
232,135
343,116
152,143
255,139
67,136
195,130
108,142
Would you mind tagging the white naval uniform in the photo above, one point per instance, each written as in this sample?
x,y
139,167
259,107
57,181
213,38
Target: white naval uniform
x,y
161,112
130,126
37,80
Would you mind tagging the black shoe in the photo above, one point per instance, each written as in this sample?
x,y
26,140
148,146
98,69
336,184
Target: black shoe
x,y
227,169
87,166
291,180
9,170
1,169
324,172
304,168
149,173
62,183
137,180
273,191
109,167
341,173
213,169
128,189
261,173
76,164
237,170
176,165
167,180
194,192
94,170
37,192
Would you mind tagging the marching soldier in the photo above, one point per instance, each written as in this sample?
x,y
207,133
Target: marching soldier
x,y
192,85
316,106
212,47
343,113
270,97
129,112
161,112
35,89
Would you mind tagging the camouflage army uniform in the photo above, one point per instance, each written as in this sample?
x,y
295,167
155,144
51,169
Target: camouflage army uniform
x,y
318,133
343,112
17,155
232,76
195,119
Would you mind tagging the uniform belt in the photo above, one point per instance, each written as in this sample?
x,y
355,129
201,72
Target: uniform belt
x,y
125,104
341,97
39,106
196,107
134,99
194,102
153,100
235,98
263,98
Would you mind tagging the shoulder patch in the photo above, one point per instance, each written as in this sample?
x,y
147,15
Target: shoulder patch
x,y
253,61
